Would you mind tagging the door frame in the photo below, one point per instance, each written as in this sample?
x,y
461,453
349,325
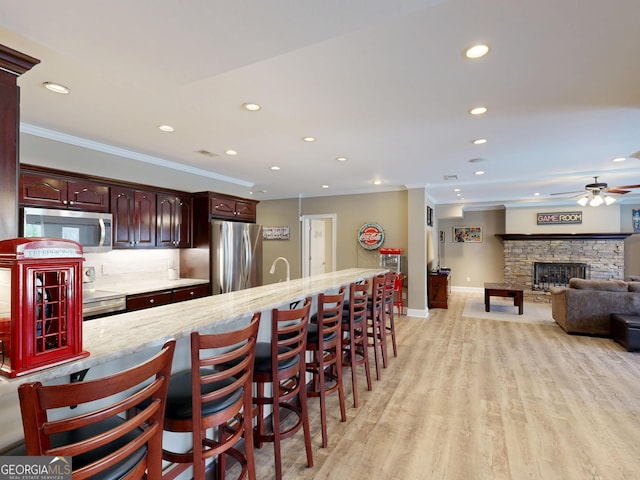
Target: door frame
x,y
306,227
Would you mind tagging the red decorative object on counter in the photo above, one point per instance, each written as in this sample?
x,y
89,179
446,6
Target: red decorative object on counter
x,y
40,304
391,258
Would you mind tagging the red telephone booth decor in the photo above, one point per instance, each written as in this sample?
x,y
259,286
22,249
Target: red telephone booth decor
x,y
40,304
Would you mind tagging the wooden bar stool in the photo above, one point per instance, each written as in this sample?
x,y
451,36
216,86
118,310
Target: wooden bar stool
x,y
102,444
376,333
389,322
324,341
354,338
280,363
215,393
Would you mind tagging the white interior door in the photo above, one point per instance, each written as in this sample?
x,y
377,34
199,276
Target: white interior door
x,y
319,240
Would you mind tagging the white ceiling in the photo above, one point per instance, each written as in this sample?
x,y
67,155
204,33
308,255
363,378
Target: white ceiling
x,y
381,82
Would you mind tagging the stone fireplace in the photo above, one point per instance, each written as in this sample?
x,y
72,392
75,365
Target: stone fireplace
x,y
601,254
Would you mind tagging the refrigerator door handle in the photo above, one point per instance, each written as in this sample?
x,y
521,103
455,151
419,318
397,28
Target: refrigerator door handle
x,y
226,275
247,257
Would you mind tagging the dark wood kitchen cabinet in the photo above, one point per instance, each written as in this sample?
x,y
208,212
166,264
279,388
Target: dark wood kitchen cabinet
x,y
173,221
134,218
232,208
209,206
50,191
438,290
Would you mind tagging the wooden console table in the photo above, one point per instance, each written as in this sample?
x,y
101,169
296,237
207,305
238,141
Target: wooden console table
x,y
504,290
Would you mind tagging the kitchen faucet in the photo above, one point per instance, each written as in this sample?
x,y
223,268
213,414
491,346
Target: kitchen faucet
x,y
273,267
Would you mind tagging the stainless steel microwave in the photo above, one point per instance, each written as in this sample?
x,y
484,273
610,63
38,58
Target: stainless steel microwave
x,y
91,229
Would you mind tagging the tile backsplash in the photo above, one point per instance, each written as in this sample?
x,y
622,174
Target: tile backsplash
x,y
126,262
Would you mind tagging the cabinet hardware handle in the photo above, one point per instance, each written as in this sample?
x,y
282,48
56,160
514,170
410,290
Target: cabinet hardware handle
x,y
152,301
64,202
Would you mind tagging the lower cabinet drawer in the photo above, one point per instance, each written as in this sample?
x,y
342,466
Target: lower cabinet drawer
x,y
189,293
146,300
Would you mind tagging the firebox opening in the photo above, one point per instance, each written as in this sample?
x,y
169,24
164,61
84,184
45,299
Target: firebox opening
x,y
553,274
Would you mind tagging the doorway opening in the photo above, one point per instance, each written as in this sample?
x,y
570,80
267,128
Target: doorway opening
x,y
318,244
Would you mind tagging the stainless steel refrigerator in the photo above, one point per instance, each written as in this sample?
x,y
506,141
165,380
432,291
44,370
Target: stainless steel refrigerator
x,y
235,256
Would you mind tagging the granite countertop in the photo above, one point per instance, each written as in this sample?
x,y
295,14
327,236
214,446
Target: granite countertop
x,y
116,336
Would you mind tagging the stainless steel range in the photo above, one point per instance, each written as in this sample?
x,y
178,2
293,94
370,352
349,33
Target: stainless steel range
x,y
96,303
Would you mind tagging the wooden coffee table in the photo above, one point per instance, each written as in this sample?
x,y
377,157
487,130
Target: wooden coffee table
x,y
504,290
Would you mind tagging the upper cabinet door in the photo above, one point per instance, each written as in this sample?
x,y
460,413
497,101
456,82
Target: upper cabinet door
x,y
222,207
43,191
87,196
144,219
123,208
246,211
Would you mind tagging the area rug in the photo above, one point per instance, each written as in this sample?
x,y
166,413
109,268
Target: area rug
x,y
503,309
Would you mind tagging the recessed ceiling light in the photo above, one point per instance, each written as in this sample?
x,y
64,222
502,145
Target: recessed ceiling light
x,y
619,159
56,87
325,186
479,172
341,159
478,110
166,128
309,139
231,152
275,168
476,51
377,182
479,141
252,107
456,189
537,194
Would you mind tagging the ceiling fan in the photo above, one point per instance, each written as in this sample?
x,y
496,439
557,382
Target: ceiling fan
x,y
597,193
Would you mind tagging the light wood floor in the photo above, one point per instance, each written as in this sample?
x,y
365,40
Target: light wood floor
x,y
482,399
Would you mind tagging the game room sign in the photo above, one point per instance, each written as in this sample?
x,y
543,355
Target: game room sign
x,y
559,218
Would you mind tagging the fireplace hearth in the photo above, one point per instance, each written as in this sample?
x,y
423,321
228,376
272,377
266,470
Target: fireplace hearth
x,y
552,274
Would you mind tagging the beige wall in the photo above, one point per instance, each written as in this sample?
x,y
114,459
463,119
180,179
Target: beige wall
x,y
472,264
388,209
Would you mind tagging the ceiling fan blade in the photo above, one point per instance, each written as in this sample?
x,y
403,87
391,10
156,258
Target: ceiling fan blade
x,y
617,190
570,193
624,187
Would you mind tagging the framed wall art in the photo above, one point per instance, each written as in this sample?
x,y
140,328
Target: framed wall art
x,y
467,234
275,233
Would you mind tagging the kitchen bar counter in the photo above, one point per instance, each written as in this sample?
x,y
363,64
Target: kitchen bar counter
x,y
113,338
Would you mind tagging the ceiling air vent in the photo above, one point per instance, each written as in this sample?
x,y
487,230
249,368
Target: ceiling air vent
x,y
451,177
206,153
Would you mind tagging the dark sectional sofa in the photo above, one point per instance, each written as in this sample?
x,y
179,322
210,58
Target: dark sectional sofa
x,y
585,306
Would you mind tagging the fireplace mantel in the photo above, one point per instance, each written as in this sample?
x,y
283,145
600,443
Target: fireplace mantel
x,y
563,236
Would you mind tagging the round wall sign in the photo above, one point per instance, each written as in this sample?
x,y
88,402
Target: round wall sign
x,y
370,236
